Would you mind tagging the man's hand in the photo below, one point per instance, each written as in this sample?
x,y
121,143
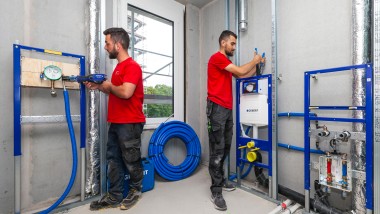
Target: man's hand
x,y
257,58
104,87
91,85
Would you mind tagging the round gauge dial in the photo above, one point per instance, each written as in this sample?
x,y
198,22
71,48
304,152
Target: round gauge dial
x,y
52,72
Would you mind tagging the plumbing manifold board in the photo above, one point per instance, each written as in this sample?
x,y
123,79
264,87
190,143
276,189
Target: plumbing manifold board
x,y
31,68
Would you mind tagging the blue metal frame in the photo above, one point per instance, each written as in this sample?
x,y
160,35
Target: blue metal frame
x,y
264,145
17,93
368,120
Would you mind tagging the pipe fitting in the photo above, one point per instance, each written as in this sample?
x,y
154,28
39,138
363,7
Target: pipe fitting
x,y
344,136
251,156
324,133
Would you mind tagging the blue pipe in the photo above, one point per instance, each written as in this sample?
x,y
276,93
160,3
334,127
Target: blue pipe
x,y
74,152
165,132
315,151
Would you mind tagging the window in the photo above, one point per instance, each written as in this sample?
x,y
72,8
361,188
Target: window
x,y
152,47
157,41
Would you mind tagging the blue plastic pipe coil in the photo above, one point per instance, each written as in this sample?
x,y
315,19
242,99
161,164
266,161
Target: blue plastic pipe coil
x,y
165,132
74,152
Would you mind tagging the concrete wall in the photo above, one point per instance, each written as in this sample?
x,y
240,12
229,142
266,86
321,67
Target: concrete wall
x,y
193,73
46,159
310,36
212,23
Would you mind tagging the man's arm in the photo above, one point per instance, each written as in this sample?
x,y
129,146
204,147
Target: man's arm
x,y
124,91
249,74
246,70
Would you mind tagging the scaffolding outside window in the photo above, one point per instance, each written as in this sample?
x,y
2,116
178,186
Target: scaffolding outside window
x,y
151,46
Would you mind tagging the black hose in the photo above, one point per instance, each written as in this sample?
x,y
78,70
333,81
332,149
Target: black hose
x,y
320,194
260,176
314,203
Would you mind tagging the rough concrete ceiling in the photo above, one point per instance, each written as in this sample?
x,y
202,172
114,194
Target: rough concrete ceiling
x,y
197,3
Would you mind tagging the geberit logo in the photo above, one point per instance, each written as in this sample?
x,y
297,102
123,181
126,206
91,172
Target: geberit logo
x,y
252,110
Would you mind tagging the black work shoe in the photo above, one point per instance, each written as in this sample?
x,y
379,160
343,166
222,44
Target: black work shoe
x,y
228,187
131,199
218,200
106,201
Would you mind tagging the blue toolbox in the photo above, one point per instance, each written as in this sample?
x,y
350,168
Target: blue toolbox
x,y
148,180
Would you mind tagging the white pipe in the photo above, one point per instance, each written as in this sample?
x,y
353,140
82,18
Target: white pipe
x,y
291,209
255,132
279,207
242,131
243,15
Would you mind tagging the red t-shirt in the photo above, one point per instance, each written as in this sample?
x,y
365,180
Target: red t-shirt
x,y
219,81
127,110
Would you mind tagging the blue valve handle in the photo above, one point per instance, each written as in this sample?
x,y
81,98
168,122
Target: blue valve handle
x,y
260,68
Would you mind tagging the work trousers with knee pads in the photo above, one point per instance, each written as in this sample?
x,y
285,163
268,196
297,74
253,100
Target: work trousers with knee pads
x,y
123,152
220,130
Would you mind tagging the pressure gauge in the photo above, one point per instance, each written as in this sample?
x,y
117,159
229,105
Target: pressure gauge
x,y
52,72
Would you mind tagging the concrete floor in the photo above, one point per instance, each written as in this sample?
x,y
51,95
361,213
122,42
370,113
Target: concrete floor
x,y
188,196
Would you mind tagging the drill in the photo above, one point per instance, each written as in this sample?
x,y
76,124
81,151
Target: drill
x,y
95,78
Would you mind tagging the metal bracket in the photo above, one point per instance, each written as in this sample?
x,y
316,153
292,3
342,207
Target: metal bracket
x,y
335,134
48,119
358,175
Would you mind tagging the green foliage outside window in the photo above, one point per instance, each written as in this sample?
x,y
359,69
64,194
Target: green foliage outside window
x,y
159,110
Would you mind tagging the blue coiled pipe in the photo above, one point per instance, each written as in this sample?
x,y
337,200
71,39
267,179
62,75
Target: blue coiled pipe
x,y
165,132
74,152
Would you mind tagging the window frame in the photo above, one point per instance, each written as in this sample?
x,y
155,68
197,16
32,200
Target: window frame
x,y
174,12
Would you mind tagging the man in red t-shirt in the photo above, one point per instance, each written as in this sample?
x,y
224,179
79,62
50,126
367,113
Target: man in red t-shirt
x,y
126,118
219,110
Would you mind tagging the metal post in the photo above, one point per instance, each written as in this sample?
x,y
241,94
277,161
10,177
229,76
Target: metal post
x,y
102,106
83,131
17,125
274,184
369,141
307,142
376,100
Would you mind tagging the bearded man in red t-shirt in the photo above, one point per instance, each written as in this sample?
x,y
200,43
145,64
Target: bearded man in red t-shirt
x,y
126,118
219,110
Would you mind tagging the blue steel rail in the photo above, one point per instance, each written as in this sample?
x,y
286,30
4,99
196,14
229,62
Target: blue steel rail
x,y
17,93
264,145
368,121
17,106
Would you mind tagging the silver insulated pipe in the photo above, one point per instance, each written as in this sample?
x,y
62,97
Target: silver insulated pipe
x,y
243,15
93,147
361,55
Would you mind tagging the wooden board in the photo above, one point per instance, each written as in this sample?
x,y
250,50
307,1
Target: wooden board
x,y
31,69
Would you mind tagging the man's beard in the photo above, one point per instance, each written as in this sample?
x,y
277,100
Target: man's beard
x,y
230,53
113,54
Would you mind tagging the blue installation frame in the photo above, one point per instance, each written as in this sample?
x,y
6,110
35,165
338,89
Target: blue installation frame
x,y
17,110
264,145
368,120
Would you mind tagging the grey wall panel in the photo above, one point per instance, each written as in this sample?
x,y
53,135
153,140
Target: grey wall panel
x,y
11,26
193,72
212,24
310,36
56,25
